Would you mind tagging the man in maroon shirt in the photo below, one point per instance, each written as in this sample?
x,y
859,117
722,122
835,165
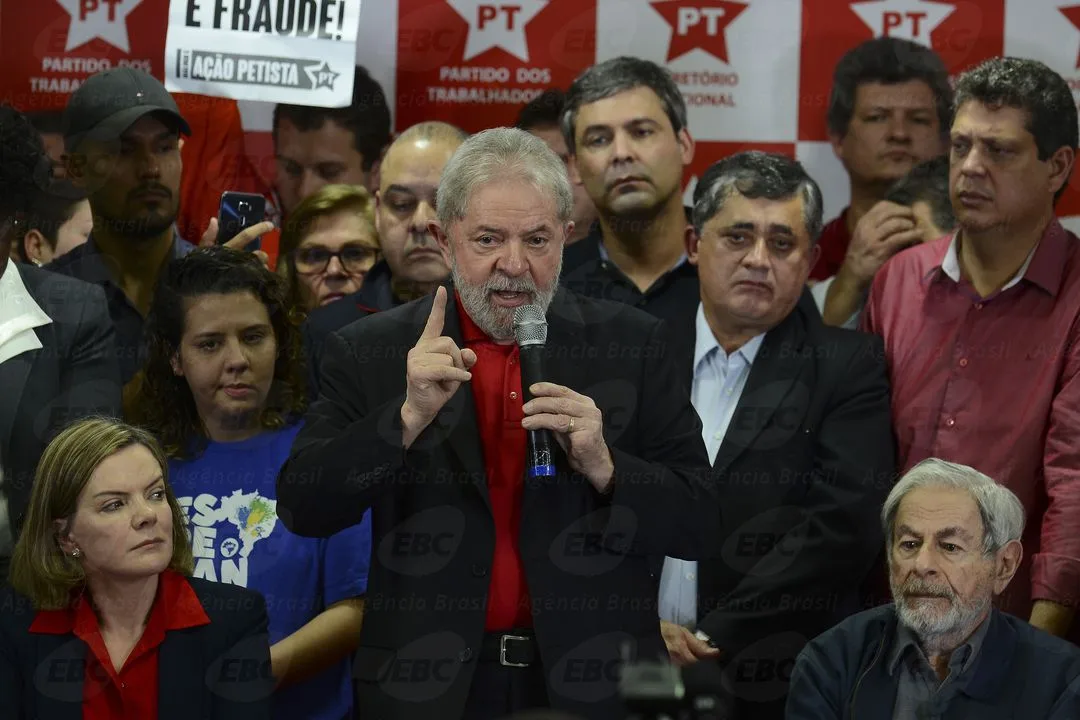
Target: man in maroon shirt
x,y
981,327
888,111
492,588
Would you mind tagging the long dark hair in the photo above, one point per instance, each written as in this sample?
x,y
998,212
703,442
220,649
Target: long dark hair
x,y
160,400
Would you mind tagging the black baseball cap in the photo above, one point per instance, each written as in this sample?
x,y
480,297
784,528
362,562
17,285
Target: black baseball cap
x,y
110,102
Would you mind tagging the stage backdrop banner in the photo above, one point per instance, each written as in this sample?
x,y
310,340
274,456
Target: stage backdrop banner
x,y
51,46
289,51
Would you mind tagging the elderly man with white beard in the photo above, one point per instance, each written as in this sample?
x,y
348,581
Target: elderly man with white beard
x,y
941,650
497,586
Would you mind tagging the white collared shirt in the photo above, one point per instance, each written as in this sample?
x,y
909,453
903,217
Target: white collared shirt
x,y
19,315
719,380
950,265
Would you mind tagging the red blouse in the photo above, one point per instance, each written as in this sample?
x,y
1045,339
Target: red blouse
x,y
131,692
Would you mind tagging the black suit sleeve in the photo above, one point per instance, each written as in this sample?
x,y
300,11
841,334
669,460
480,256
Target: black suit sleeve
x,y
91,382
667,485
839,535
240,694
347,454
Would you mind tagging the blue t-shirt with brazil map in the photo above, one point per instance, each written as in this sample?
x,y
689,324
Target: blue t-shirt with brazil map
x,y
228,495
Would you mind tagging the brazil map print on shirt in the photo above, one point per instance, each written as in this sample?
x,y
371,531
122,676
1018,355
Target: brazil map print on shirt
x,y
225,530
228,496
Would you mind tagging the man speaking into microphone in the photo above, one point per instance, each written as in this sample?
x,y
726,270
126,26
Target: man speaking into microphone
x,y
503,576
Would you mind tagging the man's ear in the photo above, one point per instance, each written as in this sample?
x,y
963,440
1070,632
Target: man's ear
x,y
686,146
572,170
441,239
693,243
1061,167
1006,562
374,175
837,142
815,255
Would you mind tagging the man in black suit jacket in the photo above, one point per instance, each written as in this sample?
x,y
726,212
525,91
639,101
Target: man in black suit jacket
x,y
57,357
796,420
490,591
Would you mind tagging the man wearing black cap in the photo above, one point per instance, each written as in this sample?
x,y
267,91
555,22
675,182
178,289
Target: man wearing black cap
x,y
122,141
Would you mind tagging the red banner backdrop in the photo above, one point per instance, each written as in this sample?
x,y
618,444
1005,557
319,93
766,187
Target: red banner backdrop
x,y
474,63
756,73
51,46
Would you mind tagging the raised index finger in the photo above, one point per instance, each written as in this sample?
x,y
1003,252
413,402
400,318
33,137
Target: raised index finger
x,y
434,326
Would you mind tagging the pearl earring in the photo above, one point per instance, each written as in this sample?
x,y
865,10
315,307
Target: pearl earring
x,y
76,553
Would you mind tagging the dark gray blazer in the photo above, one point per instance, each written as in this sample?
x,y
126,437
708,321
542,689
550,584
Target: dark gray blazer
x,y
73,375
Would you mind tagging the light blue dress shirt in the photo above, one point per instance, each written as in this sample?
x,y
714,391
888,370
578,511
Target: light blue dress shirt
x,y
719,380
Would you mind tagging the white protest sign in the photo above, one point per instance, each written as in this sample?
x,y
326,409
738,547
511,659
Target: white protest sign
x,y
300,52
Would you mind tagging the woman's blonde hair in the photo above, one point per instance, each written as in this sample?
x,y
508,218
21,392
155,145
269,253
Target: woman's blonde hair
x,y
328,200
40,569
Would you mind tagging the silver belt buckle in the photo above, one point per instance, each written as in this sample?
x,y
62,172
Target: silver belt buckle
x,y
502,651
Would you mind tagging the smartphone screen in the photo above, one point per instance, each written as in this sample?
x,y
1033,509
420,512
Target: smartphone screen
x,y
237,212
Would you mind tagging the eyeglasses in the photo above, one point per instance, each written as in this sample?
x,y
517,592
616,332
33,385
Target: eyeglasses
x,y
354,258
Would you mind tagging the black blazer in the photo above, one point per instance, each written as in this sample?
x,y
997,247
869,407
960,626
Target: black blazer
x,y
802,472
585,556
73,375
202,671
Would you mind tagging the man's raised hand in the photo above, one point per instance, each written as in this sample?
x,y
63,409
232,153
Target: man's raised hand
x,y
435,369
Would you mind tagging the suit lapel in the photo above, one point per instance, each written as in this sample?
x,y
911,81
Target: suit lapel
x,y
463,438
13,375
178,686
776,368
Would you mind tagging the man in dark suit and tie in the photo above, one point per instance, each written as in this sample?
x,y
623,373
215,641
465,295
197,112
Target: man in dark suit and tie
x,y
494,589
57,355
796,420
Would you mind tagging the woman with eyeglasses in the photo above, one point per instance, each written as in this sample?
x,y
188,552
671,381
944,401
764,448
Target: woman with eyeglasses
x,y
328,244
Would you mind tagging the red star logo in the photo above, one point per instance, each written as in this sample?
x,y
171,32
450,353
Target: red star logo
x,y
1073,15
698,24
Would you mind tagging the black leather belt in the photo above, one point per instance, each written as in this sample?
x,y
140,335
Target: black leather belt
x,y
513,648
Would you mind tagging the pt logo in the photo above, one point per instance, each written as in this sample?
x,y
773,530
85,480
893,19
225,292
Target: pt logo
x,y
92,19
322,76
495,23
912,20
698,24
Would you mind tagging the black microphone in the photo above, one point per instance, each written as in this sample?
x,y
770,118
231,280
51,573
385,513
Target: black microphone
x,y
530,329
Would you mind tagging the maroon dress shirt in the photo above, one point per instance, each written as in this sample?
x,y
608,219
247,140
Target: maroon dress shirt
x,y
993,383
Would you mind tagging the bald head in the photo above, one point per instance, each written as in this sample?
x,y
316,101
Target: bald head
x,y
417,152
408,180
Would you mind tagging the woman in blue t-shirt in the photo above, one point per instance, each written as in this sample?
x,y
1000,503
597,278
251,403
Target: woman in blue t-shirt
x,y
223,390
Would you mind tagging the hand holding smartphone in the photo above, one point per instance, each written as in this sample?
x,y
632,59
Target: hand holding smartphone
x,y
237,212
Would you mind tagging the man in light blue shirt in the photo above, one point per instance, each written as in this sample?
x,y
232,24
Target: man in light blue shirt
x,y
795,416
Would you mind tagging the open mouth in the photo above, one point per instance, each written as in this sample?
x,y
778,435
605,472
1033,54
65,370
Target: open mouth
x,y
511,297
